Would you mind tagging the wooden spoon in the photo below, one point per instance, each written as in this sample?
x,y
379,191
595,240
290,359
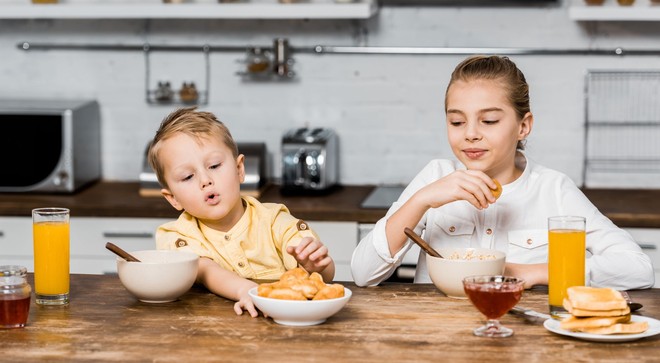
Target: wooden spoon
x,y
121,253
421,243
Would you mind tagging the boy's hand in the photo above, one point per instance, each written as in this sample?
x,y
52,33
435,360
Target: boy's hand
x,y
245,303
311,254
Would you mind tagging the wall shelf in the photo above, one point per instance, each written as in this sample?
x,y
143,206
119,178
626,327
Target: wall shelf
x,y
318,9
641,10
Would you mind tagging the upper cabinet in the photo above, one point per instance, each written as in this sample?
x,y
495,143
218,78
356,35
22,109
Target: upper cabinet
x,y
611,10
248,9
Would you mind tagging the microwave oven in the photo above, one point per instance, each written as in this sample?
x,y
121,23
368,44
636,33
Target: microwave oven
x,y
49,145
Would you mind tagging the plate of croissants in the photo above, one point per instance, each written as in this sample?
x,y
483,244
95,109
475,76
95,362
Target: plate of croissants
x,y
299,298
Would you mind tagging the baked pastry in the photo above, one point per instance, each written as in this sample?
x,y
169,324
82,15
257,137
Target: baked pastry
x,y
298,284
497,191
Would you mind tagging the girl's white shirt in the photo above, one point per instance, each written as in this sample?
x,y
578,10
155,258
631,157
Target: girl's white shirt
x,y
516,224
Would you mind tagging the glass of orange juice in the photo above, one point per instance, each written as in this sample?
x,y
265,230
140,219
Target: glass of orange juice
x,y
566,259
50,231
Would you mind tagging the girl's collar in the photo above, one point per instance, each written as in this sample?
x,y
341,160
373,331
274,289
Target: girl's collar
x,y
522,163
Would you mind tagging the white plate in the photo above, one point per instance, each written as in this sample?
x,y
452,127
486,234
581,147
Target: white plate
x,y
654,328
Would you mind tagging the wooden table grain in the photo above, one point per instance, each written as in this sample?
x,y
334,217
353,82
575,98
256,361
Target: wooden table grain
x,y
388,323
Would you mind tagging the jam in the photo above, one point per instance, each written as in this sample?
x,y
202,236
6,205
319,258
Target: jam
x,y
15,295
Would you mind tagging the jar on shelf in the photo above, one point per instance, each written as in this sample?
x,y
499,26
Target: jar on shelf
x,y
15,293
188,93
257,61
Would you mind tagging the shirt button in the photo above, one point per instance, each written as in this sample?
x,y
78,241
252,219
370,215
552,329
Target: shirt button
x,y
227,237
529,241
489,231
241,264
452,229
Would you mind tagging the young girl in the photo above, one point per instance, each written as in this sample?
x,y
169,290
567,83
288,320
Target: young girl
x,y
239,239
452,203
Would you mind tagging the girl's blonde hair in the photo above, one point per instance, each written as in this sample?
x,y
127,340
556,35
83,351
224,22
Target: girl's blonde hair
x,y
187,120
496,68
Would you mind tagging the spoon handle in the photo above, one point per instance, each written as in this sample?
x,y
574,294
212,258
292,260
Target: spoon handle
x,y
121,253
417,239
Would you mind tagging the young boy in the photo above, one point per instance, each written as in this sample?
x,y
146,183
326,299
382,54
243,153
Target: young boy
x,y
239,239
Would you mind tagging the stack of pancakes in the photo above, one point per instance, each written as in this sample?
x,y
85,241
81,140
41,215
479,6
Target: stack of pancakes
x,y
599,311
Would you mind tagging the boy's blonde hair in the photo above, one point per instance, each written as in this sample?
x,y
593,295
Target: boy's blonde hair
x,y
187,120
496,68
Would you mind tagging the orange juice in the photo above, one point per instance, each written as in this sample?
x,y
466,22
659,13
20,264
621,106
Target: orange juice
x,y
566,259
51,258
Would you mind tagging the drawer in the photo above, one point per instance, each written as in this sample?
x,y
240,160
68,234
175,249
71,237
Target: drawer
x,y
16,241
89,236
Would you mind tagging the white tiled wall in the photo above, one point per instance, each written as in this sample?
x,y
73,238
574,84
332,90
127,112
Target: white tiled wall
x,y
387,109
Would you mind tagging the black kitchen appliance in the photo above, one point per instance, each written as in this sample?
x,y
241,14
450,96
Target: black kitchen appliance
x,y
310,161
49,145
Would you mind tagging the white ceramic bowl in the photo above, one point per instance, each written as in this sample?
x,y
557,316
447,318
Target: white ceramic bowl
x,y
447,273
297,312
161,276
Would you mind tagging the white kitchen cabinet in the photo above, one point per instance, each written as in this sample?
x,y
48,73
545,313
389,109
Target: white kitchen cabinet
x,y
88,238
255,9
649,240
90,234
16,241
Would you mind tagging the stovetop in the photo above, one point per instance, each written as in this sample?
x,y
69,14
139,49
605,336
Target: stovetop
x,y
382,197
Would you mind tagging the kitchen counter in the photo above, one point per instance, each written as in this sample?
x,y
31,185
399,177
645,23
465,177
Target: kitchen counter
x,y
626,208
392,322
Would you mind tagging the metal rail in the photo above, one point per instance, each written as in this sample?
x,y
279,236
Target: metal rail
x,y
321,49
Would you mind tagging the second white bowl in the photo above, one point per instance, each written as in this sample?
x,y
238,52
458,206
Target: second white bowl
x,y
447,273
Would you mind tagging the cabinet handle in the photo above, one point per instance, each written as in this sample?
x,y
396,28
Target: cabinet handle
x,y
647,246
2,234
127,235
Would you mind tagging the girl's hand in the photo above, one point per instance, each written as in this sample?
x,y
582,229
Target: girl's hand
x,y
473,186
311,254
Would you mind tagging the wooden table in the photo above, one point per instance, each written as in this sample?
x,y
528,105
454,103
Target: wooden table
x,y
388,323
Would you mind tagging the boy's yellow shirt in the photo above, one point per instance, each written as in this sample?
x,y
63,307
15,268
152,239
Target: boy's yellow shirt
x,y
255,248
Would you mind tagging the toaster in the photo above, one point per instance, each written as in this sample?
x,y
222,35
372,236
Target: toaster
x,y
310,160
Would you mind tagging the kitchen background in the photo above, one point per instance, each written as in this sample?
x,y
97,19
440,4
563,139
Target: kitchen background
x,y
387,109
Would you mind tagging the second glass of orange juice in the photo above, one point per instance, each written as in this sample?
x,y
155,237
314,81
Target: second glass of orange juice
x,y
50,228
566,259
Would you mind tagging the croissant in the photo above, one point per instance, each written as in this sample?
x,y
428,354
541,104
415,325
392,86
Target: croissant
x,y
298,284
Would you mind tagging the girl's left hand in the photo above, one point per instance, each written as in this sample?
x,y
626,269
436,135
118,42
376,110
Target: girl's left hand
x,y
311,254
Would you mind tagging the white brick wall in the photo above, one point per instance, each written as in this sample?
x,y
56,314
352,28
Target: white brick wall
x,y
387,109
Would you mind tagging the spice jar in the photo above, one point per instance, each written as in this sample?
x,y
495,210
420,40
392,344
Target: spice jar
x,y
257,61
15,295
